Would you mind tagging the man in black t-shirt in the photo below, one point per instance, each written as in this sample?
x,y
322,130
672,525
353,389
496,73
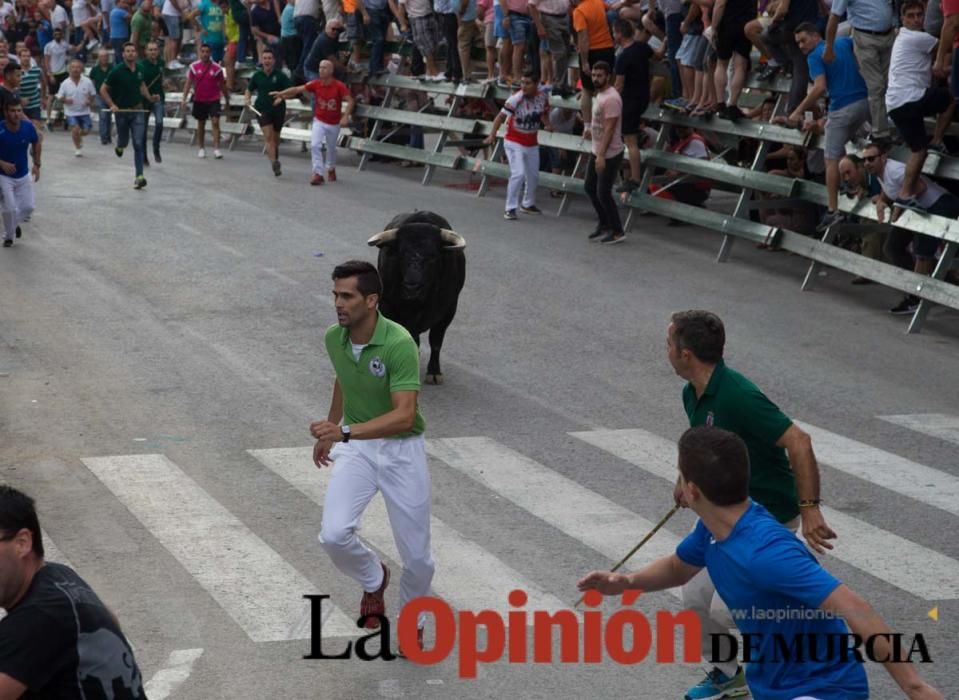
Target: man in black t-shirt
x,y
632,82
58,639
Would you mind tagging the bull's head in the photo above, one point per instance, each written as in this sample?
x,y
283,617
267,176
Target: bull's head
x,y
419,250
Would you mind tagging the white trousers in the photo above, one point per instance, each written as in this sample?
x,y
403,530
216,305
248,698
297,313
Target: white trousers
x,y
523,166
327,134
699,595
18,202
397,469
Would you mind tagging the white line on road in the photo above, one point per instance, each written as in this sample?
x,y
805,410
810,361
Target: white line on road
x,y
931,486
878,552
178,667
222,246
251,582
937,425
584,515
467,575
280,276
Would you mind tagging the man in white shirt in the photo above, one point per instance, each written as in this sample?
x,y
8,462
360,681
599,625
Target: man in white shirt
x,y
929,196
910,96
77,95
55,62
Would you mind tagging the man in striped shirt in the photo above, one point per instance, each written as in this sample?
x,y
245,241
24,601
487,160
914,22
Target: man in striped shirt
x,y
32,89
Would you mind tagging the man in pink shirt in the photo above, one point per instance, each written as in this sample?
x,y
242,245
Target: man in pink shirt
x,y
208,82
605,130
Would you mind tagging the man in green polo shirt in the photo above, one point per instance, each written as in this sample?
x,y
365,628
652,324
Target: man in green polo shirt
x,y
151,68
141,27
270,117
784,476
378,447
124,92
98,74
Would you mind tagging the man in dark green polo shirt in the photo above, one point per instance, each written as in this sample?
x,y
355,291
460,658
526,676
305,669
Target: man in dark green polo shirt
x,y
124,92
151,68
98,74
379,446
784,476
270,117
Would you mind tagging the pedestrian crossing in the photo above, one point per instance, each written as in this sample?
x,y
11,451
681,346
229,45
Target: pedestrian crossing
x,y
262,592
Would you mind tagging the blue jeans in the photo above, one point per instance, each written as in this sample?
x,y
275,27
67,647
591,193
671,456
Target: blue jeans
x,y
105,121
674,38
158,110
520,28
131,126
376,33
307,28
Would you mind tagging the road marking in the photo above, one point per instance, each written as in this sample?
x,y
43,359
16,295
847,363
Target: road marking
x,y
467,575
571,508
925,484
251,582
222,246
280,276
878,552
937,425
178,667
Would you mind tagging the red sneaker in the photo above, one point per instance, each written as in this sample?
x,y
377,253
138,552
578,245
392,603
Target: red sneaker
x,y
373,603
317,179
331,174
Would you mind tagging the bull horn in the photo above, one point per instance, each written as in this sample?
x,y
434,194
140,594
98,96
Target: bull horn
x,y
383,237
453,240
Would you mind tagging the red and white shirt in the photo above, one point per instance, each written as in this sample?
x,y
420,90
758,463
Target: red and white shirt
x,y
329,99
525,117
207,81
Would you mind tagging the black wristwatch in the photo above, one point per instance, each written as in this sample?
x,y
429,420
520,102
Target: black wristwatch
x,y
346,433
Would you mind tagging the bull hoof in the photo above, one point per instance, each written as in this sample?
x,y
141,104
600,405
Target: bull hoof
x,y
433,379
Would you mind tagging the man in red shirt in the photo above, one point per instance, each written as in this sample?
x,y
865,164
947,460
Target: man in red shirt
x,y
328,117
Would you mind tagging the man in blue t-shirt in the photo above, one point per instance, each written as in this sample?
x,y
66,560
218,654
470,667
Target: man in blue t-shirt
x,y
17,136
775,589
211,28
848,105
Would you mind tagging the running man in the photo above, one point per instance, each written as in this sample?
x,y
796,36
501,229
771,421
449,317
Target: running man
x,y
208,82
784,477
17,136
328,117
756,563
269,116
50,612
98,74
124,92
151,68
379,446
78,95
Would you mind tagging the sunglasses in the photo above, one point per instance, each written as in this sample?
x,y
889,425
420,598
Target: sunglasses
x,y
870,159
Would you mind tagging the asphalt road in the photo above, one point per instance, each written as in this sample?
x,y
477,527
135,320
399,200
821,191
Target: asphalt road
x,y
186,320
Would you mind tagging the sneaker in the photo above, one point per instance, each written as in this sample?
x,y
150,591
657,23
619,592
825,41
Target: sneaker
x,y
174,65
78,153
767,72
908,305
317,179
201,153
420,644
156,155
19,232
733,113
92,44
612,238
597,234
7,243
938,148
118,151
510,215
331,174
217,154
500,83
276,168
677,104
373,603
718,685
139,183
830,218
531,209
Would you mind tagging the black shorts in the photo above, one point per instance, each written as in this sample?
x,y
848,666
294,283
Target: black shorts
x,y
731,38
33,113
58,79
908,118
632,114
595,56
276,119
206,110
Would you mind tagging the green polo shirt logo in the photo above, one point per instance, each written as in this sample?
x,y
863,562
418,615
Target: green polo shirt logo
x,y
390,362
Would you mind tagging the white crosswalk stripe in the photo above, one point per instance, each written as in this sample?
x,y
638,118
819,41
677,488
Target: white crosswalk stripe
x,y
925,484
249,580
871,549
937,425
467,575
584,515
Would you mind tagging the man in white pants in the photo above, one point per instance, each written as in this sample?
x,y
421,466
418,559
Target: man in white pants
x,y
525,112
328,117
17,136
379,446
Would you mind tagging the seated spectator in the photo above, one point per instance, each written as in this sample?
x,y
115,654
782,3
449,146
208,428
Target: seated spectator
x,y
326,47
685,142
858,183
801,219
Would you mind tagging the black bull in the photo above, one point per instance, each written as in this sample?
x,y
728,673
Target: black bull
x,y
423,268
